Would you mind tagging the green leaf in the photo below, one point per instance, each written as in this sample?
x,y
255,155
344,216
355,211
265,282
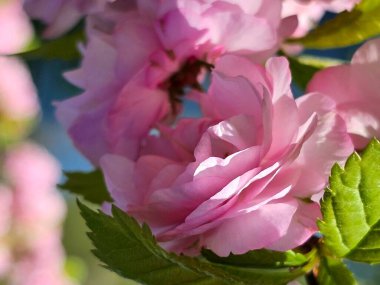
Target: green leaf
x,y
351,207
347,28
261,258
304,67
132,252
90,186
301,73
334,272
64,47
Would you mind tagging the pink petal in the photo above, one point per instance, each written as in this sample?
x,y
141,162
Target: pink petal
x,y
228,97
302,227
255,230
355,90
278,67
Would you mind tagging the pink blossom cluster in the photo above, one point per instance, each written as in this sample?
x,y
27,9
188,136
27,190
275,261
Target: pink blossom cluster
x,y
247,174
151,49
31,210
154,50
15,29
30,224
18,100
18,96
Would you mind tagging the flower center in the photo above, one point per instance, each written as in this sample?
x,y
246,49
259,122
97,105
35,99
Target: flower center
x,y
185,77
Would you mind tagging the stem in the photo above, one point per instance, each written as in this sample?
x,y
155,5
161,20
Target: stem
x,y
312,243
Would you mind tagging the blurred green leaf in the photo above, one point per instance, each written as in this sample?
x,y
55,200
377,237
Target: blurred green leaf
x,y
132,252
351,207
12,131
347,28
89,185
76,269
334,272
304,67
301,73
64,47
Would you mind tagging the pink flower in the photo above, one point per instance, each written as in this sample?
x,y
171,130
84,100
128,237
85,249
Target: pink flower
x,y
32,213
31,169
118,101
5,224
18,97
15,30
354,89
234,180
309,12
61,15
43,264
138,62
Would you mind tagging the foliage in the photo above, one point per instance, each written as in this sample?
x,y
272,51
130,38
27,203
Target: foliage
x,y
351,207
64,48
90,186
132,252
304,67
334,272
347,28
